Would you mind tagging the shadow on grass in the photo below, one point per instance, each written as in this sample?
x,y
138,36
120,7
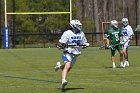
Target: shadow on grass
x,y
108,67
68,89
112,68
34,79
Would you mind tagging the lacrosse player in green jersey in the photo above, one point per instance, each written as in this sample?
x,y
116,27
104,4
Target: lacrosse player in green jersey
x,y
115,36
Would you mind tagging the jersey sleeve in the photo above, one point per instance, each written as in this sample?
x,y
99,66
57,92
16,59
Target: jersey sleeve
x,y
108,32
64,38
84,39
130,32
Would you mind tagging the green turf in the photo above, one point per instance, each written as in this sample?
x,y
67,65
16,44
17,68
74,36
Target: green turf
x,y
31,70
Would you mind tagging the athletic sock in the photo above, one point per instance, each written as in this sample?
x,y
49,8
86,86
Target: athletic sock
x,y
113,64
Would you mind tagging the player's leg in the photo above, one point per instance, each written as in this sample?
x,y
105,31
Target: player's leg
x,y
126,63
125,54
69,60
106,43
113,62
120,50
58,66
121,59
125,46
72,58
126,58
65,58
125,50
113,57
65,71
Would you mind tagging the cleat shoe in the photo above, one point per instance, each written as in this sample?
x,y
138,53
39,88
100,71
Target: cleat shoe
x,y
122,65
58,65
113,66
64,83
126,64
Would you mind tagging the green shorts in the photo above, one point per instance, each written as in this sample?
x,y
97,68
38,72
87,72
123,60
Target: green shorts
x,y
118,47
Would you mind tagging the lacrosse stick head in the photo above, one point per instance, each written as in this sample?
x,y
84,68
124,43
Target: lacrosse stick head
x,y
138,28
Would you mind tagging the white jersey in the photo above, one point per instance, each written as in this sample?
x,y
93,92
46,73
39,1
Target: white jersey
x,y
127,32
70,38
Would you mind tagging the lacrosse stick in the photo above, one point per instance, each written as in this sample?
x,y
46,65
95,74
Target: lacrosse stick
x,y
121,43
61,46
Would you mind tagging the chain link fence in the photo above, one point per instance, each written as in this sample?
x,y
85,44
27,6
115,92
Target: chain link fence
x,y
42,40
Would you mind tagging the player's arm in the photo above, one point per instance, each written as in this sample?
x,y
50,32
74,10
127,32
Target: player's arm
x,y
108,37
63,41
121,40
121,37
131,33
84,42
108,33
61,45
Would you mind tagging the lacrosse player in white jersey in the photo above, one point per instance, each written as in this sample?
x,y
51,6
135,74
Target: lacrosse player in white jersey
x,y
72,42
127,35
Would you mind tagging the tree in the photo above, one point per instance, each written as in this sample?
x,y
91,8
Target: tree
x,y
96,20
138,11
104,10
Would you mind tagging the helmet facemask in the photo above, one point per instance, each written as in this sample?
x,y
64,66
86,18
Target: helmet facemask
x,y
76,26
125,21
114,23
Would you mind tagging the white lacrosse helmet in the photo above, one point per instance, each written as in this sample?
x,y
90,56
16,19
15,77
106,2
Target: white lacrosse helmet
x,y
114,23
76,25
125,21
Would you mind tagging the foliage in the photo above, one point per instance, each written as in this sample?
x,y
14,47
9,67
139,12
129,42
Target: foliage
x,y
88,25
39,23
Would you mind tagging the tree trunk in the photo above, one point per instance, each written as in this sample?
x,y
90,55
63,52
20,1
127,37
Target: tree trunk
x,y
138,12
104,9
79,14
96,20
113,9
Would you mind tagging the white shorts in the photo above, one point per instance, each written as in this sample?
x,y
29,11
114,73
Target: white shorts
x,y
69,58
126,45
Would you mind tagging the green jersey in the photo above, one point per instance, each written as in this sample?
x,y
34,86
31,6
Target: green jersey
x,y
114,35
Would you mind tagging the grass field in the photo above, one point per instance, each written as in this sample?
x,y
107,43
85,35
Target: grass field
x,y
31,70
